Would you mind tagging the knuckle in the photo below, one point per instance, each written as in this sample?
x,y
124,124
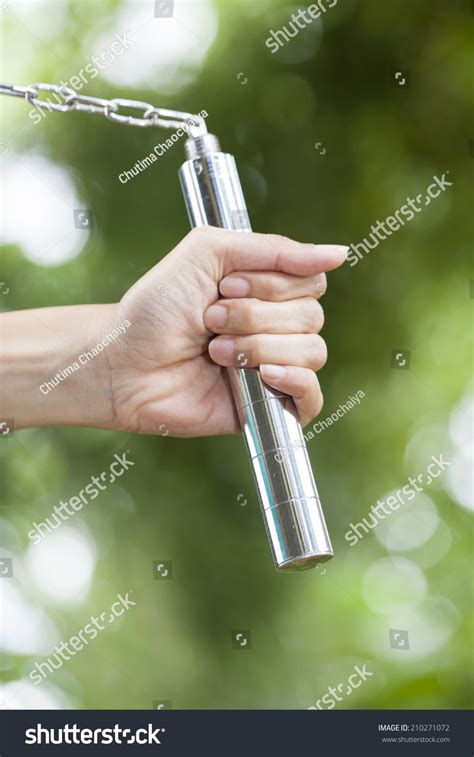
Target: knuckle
x,y
317,352
319,402
246,314
203,235
278,239
199,232
298,382
305,384
257,344
277,288
315,315
320,317
323,351
321,284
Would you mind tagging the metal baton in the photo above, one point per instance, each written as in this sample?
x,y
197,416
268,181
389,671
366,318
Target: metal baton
x,y
287,492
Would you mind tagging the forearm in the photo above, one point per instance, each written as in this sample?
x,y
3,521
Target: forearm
x,y
48,372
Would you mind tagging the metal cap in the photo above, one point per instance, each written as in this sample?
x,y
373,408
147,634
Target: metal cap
x,y
297,534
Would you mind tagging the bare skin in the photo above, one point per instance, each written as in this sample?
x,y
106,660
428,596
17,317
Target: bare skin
x,y
215,295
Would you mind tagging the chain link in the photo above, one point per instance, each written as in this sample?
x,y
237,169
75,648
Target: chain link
x,y
32,95
110,109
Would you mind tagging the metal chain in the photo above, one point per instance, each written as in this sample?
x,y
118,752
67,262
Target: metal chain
x,y
72,100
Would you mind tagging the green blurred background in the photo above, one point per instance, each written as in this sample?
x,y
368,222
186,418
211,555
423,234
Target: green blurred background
x,y
327,142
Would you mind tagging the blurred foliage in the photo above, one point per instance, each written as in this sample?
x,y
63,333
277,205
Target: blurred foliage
x,y
333,84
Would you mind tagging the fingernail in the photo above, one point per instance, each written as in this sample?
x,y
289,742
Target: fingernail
x,y
273,371
216,316
234,287
338,249
223,349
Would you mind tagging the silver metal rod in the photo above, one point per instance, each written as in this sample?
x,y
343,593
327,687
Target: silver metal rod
x,y
287,492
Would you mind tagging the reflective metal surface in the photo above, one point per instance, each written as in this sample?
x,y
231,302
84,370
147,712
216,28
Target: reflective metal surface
x,y
288,497
269,424
70,100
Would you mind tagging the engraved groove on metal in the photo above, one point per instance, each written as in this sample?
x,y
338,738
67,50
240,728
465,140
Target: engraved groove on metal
x,y
284,474
271,425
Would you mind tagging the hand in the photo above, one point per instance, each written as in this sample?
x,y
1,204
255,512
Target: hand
x,y
161,351
166,371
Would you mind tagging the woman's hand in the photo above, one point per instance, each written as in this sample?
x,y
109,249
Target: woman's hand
x,y
167,370
154,362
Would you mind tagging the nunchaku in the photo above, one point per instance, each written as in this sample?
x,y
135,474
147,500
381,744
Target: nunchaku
x,y
286,488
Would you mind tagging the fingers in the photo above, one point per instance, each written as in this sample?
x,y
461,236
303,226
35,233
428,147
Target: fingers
x,y
249,316
272,286
234,251
303,350
301,383
269,316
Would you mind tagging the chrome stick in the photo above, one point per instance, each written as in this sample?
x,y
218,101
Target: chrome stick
x,y
287,492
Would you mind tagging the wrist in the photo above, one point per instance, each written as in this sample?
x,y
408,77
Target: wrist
x,y
53,367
